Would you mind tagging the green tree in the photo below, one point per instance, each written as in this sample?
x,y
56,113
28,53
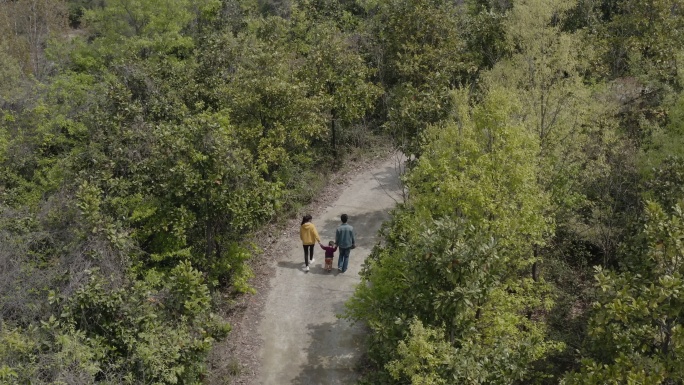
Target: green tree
x,y
335,72
269,105
134,28
203,192
636,330
419,54
644,37
570,118
453,255
483,28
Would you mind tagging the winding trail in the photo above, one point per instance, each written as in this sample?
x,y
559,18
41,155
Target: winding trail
x,y
303,342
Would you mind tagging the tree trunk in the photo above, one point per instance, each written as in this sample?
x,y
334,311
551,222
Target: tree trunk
x,y
667,340
535,268
210,241
333,130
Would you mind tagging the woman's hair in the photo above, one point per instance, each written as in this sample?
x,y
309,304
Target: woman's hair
x,y
307,218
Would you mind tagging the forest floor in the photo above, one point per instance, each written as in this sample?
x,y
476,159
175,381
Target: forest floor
x,y
288,332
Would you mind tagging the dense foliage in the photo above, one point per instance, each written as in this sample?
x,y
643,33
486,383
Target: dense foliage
x,y
541,238
142,141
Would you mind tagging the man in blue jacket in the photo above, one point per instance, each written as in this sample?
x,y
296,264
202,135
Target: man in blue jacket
x,y
344,237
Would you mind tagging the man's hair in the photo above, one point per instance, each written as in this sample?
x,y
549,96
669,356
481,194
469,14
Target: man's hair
x,y
344,218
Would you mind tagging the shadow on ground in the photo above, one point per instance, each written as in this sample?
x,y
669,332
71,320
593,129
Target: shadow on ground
x,y
365,229
315,268
332,357
389,181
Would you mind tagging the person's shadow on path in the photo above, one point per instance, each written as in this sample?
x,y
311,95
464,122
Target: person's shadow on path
x,y
316,268
362,224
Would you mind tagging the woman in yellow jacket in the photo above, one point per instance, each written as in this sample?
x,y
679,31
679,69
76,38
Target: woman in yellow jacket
x,y
309,237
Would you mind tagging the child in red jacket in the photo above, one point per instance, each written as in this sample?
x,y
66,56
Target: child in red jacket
x,y
329,254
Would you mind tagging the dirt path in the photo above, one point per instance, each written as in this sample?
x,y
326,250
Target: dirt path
x,y
302,341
